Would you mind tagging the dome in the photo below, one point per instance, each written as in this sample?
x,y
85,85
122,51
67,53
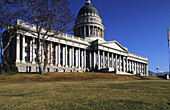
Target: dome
x,y
88,8
88,23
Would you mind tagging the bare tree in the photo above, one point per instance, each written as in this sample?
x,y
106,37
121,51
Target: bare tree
x,y
46,15
8,16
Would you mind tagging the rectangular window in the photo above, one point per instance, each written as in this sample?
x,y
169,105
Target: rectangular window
x,y
63,70
48,69
37,69
28,69
55,70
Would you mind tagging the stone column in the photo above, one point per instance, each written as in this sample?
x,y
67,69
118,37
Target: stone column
x,y
85,59
127,65
99,59
33,50
73,57
132,66
79,58
94,56
56,55
108,60
116,69
59,55
90,59
147,70
51,53
93,31
66,57
23,49
89,30
123,64
84,30
120,63
18,49
70,57
82,59
104,59
76,52
112,60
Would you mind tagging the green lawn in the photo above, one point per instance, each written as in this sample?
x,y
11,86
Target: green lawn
x,y
86,95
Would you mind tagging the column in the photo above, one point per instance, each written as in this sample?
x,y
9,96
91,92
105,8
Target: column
x,y
132,66
66,55
116,64
56,55
123,64
90,59
84,30
99,59
120,63
76,58
79,57
23,49
18,49
135,66
59,55
93,31
103,59
112,60
85,59
51,53
82,59
89,30
73,56
33,50
70,57
94,56
108,59
127,65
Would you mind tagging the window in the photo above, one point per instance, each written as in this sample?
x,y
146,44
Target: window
x,y
35,51
75,71
28,69
55,70
63,70
48,69
37,69
69,70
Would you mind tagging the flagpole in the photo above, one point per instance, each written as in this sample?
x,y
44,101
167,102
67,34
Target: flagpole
x,y
169,49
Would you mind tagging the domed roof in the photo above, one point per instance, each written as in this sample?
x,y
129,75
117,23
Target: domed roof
x,y
88,8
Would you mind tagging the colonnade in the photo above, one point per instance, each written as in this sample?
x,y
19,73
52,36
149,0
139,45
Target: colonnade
x,y
88,30
63,55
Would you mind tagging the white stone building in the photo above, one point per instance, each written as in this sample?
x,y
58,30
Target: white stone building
x,y
85,51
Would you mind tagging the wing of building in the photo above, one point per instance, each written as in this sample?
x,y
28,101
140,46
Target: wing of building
x,y
85,51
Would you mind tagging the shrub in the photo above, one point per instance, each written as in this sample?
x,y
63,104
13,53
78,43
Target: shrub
x,y
8,67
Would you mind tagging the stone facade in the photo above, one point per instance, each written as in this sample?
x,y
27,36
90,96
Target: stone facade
x,y
85,51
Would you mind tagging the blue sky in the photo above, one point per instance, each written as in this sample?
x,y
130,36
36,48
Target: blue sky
x,y
139,25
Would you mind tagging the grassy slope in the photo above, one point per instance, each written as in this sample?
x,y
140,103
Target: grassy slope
x,y
83,91
67,77
83,95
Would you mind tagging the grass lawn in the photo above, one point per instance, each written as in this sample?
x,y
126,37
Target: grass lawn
x,y
83,91
99,94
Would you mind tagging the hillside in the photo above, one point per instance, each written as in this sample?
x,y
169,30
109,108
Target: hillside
x,y
69,77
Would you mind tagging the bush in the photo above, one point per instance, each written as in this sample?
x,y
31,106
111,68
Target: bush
x,y
8,67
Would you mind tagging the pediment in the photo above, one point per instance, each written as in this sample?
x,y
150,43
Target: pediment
x,y
115,45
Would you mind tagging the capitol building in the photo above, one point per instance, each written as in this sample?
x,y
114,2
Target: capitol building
x,y
85,51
